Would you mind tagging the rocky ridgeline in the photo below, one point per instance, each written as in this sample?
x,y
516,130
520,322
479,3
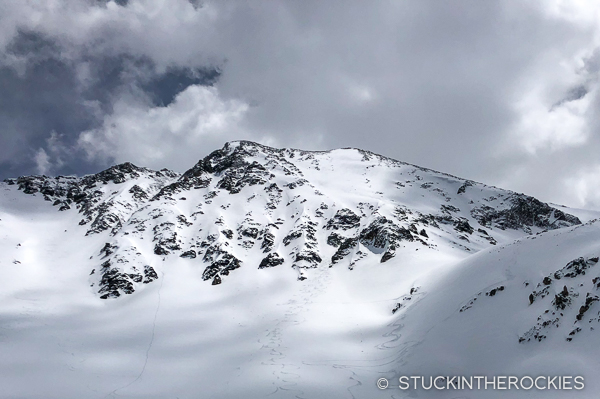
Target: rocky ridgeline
x,y
248,205
98,198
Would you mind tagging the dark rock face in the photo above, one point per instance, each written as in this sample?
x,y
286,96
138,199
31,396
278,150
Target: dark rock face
x,y
345,247
574,268
190,254
108,250
589,300
344,219
491,293
462,189
235,179
406,300
297,183
251,232
271,260
383,233
166,239
564,297
274,193
524,212
462,225
268,242
113,282
335,240
311,257
387,256
225,264
138,193
149,274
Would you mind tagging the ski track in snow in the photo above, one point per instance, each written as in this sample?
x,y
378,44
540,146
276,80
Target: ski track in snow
x,y
286,376
114,393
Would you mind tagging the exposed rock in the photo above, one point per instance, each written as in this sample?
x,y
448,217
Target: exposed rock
x,y
344,219
462,225
523,213
310,258
589,300
463,188
268,242
113,282
190,254
334,239
344,249
149,274
387,256
383,233
225,264
271,260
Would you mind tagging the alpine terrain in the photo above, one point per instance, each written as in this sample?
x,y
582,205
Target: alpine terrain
x,y
281,273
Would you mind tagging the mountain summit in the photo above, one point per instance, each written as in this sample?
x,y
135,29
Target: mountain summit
x,y
249,205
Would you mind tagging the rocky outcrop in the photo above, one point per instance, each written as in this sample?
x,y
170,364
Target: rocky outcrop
x,y
564,296
524,212
344,219
271,260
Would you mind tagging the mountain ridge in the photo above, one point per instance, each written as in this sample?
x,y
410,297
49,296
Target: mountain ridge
x,y
128,201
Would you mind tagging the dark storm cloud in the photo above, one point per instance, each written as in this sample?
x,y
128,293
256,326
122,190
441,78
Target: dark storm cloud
x,y
164,87
573,94
47,105
122,3
41,99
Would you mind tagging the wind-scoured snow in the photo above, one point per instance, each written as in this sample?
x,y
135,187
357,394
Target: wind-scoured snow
x,y
265,272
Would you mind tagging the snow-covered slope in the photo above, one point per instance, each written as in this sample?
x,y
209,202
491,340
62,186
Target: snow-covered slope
x,y
279,272
529,308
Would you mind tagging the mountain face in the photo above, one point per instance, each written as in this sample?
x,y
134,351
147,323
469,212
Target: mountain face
x,y
288,208
282,273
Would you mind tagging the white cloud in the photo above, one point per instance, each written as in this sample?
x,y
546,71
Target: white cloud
x,y
171,136
42,161
584,186
546,128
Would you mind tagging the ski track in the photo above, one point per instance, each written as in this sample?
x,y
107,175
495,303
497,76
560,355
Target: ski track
x,y
114,393
286,377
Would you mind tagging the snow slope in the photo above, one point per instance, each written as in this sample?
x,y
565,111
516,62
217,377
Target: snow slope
x,y
265,272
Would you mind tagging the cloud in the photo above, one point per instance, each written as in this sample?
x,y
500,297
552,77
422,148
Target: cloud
x,y
197,121
42,161
551,129
55,88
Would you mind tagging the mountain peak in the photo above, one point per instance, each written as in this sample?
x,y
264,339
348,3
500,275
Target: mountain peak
x,y
249,203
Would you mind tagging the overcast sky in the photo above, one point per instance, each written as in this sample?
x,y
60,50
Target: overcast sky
x,y
501,92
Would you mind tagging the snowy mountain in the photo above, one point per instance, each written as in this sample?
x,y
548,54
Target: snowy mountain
x,y
290,273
